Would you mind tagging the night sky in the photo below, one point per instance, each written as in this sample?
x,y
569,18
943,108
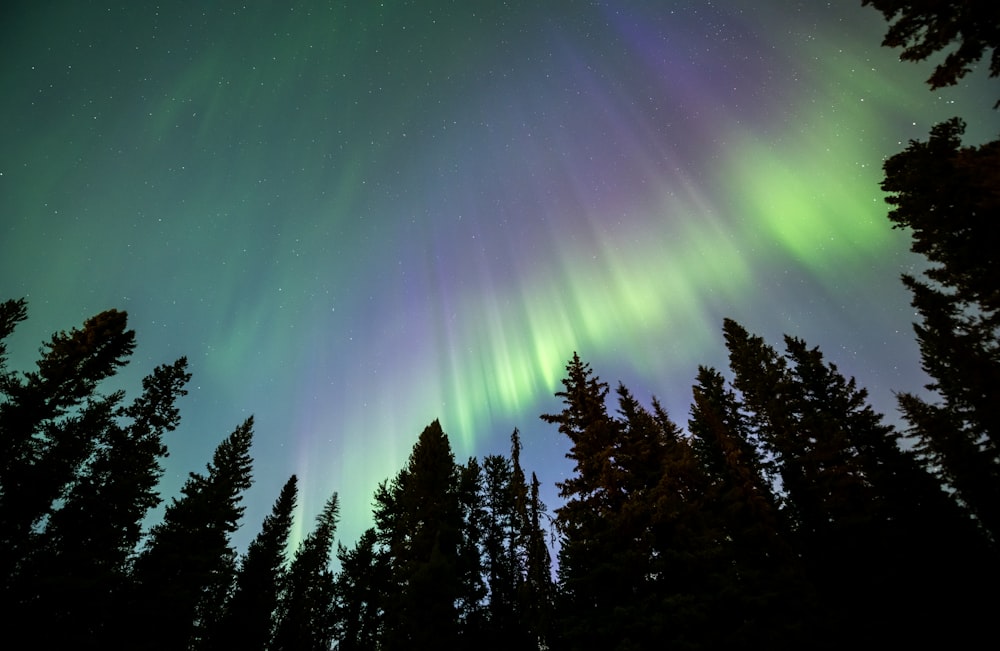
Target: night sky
x,y
356,220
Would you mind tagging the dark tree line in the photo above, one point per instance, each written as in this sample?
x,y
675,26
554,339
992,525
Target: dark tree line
x,y
784,514
457,555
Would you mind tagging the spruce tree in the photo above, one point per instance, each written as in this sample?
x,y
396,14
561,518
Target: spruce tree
x,y
360,588
588,576
82,565
925,29
474,614
305,607
419,525
632,558
763,599
947,196
50,422
864,512
248,620
537,598
187,567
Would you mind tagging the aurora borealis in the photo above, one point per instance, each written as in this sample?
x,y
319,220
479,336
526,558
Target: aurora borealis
x,y
356,217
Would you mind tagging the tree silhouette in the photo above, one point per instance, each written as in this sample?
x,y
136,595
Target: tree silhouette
x,y
247,622
360,588
924,29
186,570
82,564
50,421
419,525
947,195
305,607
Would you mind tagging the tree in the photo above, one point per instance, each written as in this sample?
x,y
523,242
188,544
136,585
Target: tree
x,y
587,573
924,29
186,569
50,422
632,559
947,196
359,589
763,599
537,592
82,562
419,526
305,607
248,619
477,540
877,535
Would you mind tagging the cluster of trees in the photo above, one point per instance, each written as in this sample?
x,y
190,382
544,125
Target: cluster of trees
x,y
457,556
786,514
78,475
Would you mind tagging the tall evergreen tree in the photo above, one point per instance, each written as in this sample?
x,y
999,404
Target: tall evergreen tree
x,y
186,569
82,564
673,549
763,600
947,196
50,422
248,621
630,562
537,596
861,505
419,525
473,613
587,572
360,587
305,607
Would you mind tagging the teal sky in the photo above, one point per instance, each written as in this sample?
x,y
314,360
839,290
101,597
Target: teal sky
x,y
356,220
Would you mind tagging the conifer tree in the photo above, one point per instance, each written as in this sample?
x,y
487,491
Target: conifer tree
x,y
419,525
947,196
763,599
864,512
247,622
82,563
359,589
305,608
632,559
673,551
502,567
474,616
187,567
587,572
925,29
50,421
537,596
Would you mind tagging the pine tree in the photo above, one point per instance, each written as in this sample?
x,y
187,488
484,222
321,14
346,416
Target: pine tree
x,y
474,615
187,567
925,29
947,195
673,549
360,588
588,575
864,512
82,564
632,558
305,607
763,600
419,525
537,598
248,620
50,422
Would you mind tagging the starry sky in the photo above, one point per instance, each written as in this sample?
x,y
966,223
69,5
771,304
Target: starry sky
x,y
356,217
